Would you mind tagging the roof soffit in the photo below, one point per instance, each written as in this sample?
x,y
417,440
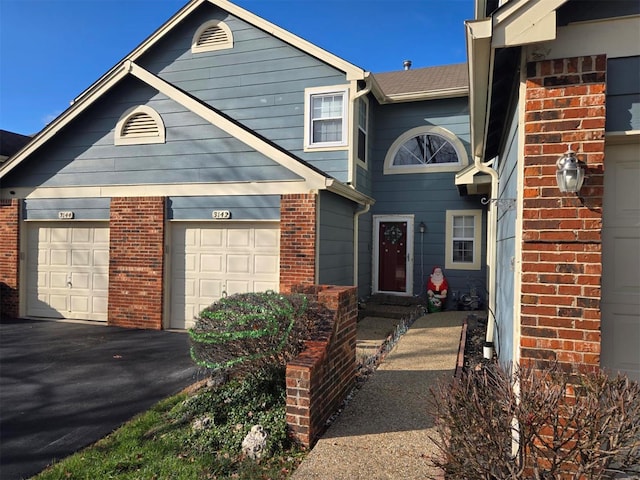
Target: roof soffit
x,y
515,23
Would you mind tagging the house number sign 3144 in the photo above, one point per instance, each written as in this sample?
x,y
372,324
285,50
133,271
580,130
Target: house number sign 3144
x,y
221,214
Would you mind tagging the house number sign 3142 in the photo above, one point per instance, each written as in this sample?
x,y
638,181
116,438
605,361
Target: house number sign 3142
x,y
221,214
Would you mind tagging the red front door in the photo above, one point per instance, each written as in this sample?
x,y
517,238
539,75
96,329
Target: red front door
x,y
392,257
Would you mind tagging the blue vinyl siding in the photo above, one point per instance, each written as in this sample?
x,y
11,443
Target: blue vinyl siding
x,y
505,247
426,195
260,81
365,251
335,261
249,207
623,94
195,151
82,208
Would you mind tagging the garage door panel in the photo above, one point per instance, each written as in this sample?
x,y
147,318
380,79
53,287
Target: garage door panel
x,y
238,264
209,289
100,281
239,238
238,286
80,258
211,238
211,263
267,238
79,304
59,257
229,258
59,235
265,264
621,261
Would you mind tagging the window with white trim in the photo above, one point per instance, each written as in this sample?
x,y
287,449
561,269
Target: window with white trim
x,y
363,124
212,35
326,117
463,239
425,149
138,126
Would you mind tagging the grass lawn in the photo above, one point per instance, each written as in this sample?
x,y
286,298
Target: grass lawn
x,y
196,436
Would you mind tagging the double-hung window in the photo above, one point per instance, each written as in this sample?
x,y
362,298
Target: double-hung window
x,y
463,233
363,112
326,118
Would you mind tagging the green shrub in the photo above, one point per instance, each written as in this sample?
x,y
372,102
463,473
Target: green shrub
x,y
250,331
537,425
233,409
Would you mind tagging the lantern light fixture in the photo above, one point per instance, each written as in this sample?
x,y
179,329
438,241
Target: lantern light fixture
x,y
570,173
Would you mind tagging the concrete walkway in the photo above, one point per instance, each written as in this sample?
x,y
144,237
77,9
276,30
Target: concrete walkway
x,y
383,433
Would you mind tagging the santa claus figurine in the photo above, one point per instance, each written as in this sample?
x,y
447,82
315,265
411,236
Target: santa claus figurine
x,y
437,285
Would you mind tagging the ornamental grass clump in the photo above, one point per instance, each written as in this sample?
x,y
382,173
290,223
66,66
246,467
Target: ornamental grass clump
x,y
252,331
491,424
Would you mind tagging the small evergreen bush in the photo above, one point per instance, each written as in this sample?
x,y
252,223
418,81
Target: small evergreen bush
x,y
493,425
250,331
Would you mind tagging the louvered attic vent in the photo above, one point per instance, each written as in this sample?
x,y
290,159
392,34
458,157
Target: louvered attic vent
x,y
213,35
140,125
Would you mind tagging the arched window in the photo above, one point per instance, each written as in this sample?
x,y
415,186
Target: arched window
x,y
139,125
212,35
425,149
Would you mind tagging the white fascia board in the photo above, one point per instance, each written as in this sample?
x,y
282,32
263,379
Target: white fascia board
x,y
522,22
352,72
105,83
617,37
443,93
161,190
479,53
348,192
314,178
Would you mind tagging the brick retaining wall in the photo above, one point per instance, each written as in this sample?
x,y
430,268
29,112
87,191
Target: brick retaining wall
x,y
320,378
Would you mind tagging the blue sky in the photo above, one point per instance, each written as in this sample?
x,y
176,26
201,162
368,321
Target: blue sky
x,y
51,50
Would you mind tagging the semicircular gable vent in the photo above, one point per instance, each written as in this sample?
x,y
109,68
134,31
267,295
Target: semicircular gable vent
x,y
214,35
140,125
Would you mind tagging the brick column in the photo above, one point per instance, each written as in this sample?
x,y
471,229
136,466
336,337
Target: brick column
x,y
9,257
136,262
297,240
561,259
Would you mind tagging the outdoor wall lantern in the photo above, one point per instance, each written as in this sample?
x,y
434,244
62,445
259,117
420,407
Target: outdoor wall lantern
x,y
570,174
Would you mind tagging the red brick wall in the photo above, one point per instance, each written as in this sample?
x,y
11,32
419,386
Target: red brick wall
x,y
319,379
9,256
297,240
561,263
136,262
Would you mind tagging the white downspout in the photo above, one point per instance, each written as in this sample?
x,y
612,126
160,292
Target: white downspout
x,y
356,238
491,246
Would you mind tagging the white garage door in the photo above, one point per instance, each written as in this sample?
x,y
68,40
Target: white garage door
x,y
67,270
212,260
621,261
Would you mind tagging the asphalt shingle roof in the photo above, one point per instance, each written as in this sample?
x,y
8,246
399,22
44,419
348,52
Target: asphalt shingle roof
x,y
423,80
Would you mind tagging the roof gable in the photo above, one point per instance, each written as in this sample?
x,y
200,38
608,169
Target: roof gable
x,y
128,67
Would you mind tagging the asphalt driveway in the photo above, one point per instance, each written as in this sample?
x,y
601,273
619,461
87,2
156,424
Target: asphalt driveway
x,y
65,385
